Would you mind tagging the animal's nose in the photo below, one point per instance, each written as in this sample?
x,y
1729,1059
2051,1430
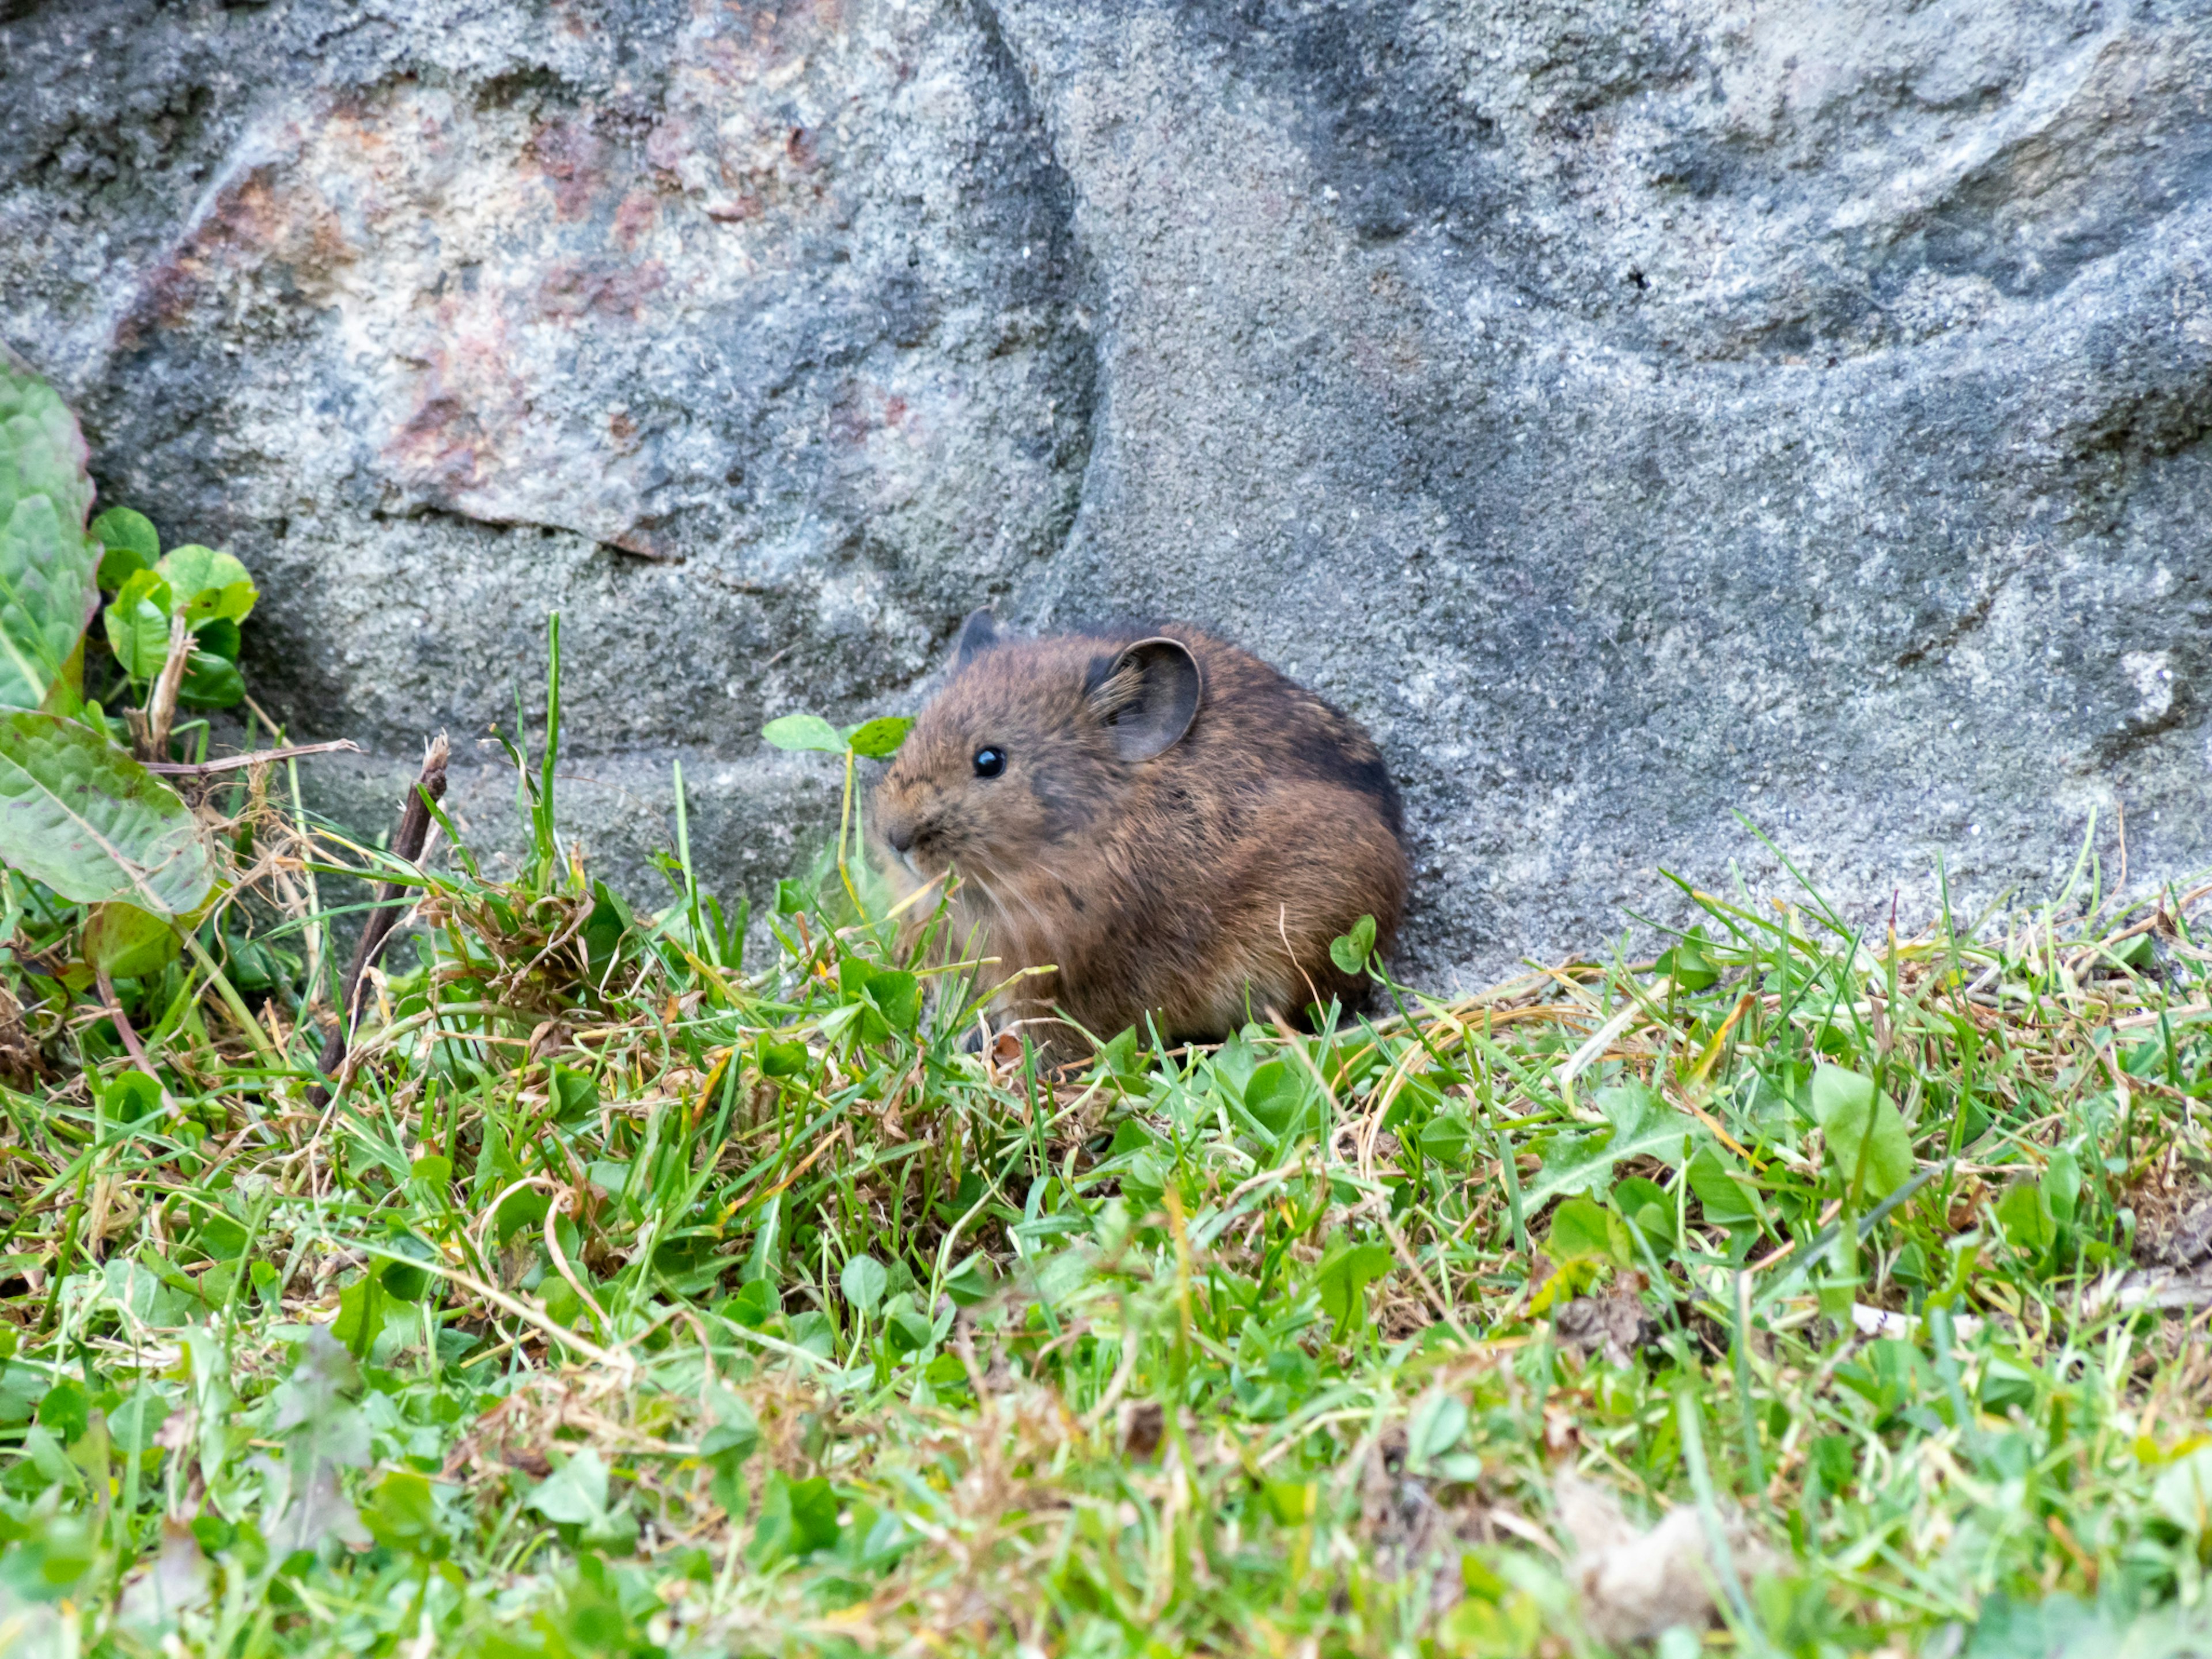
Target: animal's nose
x,y
900,835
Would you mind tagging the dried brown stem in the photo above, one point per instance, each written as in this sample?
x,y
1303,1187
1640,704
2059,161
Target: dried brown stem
x,y
391,903
161,711
130,1042
231,763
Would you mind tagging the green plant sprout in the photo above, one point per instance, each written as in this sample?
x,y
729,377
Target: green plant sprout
x,y
872,739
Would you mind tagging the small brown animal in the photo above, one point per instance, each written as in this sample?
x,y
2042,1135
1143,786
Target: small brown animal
x,y
1165,821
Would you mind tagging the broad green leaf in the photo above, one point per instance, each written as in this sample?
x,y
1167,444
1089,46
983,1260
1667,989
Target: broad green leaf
x,y
319,1512
323,1430
66,1411
130,545
137,624
576,1494
773,1535
47,563
863,1281
402,1281
1292,1503
372,1322
210,682
1349,952
1446,1138
1868,1141
41,451
1275,1095
1125,1062
898,997
1343,1278
2062,1183
814,1514
127,942
878,739
804,731
208,584
81,816
736,1433
219,637
1578,1230
130,1096
2024,1214
1648,1205
403,1514
319,1385
1688,964
1576,1162
605,929
1728,1201
1644,1125
796,1517
118,565
971,1281
46,595
576,1095
2184,1493
1434,1428
782,1059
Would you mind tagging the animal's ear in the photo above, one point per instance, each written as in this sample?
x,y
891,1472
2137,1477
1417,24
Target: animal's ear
x,y
1149,697
978,635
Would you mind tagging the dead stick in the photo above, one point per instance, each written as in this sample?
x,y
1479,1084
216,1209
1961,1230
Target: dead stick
x,y
391,903
161,706
122,1022
231,763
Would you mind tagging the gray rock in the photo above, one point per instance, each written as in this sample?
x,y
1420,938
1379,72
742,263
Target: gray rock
x,y
1637,415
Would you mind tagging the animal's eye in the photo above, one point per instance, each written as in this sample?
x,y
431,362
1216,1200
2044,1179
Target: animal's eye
x,y
989,762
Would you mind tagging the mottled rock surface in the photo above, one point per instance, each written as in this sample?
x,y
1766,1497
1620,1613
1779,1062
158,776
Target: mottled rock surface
x,y
1634,413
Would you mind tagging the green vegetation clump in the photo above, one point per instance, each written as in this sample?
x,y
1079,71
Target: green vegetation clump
x,y
636,1292
664,1281
111,872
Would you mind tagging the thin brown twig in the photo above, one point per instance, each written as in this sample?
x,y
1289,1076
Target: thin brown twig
x,y
415,821
152,723
231,763
130,1042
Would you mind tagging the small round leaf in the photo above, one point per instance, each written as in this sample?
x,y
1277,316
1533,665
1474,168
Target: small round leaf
x,y
863,1281
1349,952
803,732
879,739
129,543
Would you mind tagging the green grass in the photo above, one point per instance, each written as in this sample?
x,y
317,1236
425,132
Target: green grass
x,y
636,1294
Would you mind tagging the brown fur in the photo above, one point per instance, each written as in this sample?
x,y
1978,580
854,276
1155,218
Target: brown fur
x,y
1202,885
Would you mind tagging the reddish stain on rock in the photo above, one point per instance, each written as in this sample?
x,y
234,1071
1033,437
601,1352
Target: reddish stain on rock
x,y
863,411
262,218
576,288
467,405
573,160
636,216
440,445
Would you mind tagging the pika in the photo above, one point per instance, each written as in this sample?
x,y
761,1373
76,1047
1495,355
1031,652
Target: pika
x,y
1170,826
